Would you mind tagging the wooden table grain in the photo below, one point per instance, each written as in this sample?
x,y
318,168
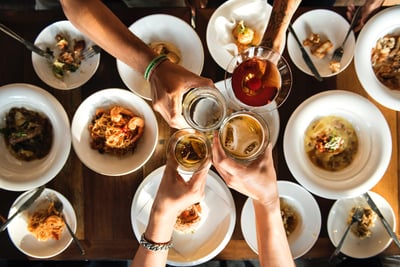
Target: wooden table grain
x,y
103,203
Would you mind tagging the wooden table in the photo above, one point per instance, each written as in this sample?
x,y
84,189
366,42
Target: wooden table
x,y
102,203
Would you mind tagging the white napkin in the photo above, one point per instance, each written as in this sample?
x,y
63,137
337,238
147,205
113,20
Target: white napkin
x,y
254,13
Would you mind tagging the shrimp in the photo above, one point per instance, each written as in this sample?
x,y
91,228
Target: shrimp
x,y
136,123
117,113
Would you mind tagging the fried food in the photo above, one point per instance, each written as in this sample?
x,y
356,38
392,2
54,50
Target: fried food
x,y
168,49
385,59
363,228
28,134
244,36
318,47
46,223
189,219
116,130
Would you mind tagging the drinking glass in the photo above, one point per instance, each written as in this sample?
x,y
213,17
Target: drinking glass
x,y
191,149
204,108
258,79
244,135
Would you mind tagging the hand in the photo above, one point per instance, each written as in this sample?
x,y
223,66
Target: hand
x,y
169,82
256,180
369,8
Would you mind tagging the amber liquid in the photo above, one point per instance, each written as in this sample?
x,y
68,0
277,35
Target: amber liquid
x,y
190,152
256,82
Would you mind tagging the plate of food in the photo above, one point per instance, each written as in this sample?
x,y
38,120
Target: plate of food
x,y
69,69
114,132
271,117
321,31
300,215
367,238
234,26
31,155
39,231
375,57
337,144
207,237
165,34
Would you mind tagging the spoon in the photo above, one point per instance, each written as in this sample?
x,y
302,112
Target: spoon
x,y
58,205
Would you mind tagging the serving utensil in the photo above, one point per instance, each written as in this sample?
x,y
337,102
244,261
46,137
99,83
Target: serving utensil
x,y
305,55
23,207
338,53
385,223
58,205
48,55
357,215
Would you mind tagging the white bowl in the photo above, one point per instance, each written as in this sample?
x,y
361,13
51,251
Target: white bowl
x,y
163,28
220,42
329,25
353,245
374,145
107,164
385,22
18,175
46,39
209,239
306,233
25,241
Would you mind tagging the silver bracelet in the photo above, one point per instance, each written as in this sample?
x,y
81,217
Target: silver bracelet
x,y
154,246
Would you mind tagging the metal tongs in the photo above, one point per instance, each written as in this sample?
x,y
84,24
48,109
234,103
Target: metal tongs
x,y
47,54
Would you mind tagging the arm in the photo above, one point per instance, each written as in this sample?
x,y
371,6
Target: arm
x,y
168,82
368,9
173,196
281,14
258,181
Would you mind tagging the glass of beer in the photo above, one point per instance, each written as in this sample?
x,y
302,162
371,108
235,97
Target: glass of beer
x,y
244,135
204,108
258,78
191,149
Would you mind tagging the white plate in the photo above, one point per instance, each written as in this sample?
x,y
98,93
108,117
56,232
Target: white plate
x,y
306,233
18,175
220,42
213,233
46,39
107,164
163,28
271,117
374,148
354,246
25,241
329,25
386,21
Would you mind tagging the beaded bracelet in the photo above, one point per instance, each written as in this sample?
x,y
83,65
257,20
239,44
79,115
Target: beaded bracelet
x,y
153,65
154,246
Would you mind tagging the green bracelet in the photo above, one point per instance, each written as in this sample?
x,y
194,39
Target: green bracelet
x,y
153,65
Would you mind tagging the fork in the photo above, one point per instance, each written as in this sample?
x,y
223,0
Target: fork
x,y
338,53
91,51
357,215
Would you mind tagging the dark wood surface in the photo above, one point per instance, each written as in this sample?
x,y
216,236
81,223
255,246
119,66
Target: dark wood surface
x,y
102,203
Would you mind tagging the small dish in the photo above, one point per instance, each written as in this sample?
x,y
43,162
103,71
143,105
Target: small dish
x,y
107,164
163,28
18,175
46,39
353,245
25,241
382,23
305,234
374,145
219,37
212,235
270,116
330,26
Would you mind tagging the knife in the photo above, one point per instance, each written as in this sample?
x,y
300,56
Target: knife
x,y
23,207
385,223
305,55
48,55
